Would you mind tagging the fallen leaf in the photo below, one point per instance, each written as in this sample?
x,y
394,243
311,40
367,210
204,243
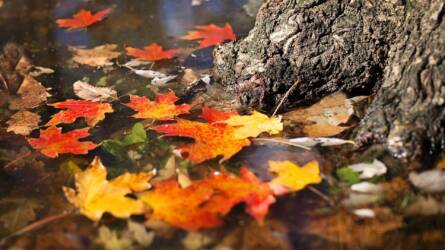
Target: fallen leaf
x,y
83,19
252,125
211,34
134,63
430,180
425,206
211,140
23,122
110,240
342,227
32,94
92,93
213,115
325,118
320,141
162,108
152,52
53,142
17,213
159,78
367,187
364,213
95,195
93,112
26,68
99,56
139,233
294,177
202,204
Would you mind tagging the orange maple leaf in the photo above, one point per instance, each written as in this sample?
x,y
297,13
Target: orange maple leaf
x,y
211,139
52,142
94,112
83,19
152,52
162,108
202,204
211,34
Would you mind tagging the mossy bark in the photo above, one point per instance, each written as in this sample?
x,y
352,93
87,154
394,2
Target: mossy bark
x,y
393,49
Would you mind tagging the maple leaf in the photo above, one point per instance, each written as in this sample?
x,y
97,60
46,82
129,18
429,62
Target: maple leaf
x,y
162,108
94,112
95,195
202,204
294,177
32,94
211,34
99,56
213,115
52,142
254,124
152,52
23,122
83,19
211,139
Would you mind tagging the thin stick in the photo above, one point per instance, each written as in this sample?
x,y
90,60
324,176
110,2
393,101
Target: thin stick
x,y
286,95
39,223
18,159
282,142
321,195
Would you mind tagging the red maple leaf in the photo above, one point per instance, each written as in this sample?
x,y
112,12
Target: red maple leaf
x,y
94,112
213,115
211,34
211,139
83,19
162,108
202,204
152,52
52,142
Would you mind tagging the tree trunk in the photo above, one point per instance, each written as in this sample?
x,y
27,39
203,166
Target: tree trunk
x,y
391,48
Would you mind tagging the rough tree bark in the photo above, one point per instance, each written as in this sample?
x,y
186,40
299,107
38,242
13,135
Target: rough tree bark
x,y
391,48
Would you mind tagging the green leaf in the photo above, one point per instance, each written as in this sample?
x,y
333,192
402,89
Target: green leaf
x,y
102,82
115,147
137,135
348,175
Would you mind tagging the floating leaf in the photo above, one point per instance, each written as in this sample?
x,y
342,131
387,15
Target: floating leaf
x,y
294,177
162,108
83,19
92,93
94,112
430,181
203,203
152,52
321,141
211,140
95,195
252,125
52,142
211,34
32,94
213,115
348,175
23,122
99,56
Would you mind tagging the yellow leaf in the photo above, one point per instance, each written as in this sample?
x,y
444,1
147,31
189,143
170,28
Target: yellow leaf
x,y
95,195
294,177
254,124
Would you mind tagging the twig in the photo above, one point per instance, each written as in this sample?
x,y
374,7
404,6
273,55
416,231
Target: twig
x,y
286,95
38,223
18,159
282,142
321,195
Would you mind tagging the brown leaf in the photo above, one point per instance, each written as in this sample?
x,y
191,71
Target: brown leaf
x,y
23,122
99,56
343,227
32,94
324,118
92,93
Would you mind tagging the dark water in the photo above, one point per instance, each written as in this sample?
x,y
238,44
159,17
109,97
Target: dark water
x,y
30,188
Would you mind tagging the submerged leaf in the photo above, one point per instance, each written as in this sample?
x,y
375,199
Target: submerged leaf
x,y
211,34
95,195
83,19
32,94
203,203
52,142
294,177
